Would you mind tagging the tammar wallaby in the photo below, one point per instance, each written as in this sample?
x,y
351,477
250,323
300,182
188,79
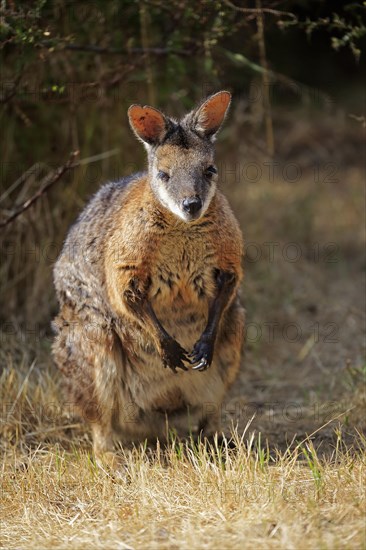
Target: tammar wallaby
x,y
148,278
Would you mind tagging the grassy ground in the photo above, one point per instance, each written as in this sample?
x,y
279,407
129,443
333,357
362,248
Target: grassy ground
x,y
293,475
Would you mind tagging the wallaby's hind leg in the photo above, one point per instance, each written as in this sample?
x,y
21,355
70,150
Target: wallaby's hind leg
x,y
86,354
228,359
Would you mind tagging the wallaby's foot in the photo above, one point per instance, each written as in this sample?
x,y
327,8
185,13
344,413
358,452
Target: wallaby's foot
x,y
105,452
112,463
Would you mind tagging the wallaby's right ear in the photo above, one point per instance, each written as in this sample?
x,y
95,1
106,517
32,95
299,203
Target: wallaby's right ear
x,y
149,124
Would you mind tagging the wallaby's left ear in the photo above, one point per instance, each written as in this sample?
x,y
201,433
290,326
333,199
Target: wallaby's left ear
x,y
208,118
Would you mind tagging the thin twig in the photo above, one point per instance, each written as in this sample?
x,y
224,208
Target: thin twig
x,y
115,51
96,158
359,119
259,11
53,429
49,181
20,390
144,27
12,92
29,172
39,165
321,427
265,80
296,86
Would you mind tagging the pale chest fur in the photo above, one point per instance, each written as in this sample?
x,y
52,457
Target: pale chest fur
x,y
183,284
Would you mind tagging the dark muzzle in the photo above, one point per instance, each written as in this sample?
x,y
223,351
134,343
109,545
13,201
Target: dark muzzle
x,y
192,205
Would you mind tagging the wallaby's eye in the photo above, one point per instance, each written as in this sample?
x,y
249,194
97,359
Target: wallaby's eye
x,y
210,171
163,176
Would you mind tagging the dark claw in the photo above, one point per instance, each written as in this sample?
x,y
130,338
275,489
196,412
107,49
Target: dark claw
x,y
201,366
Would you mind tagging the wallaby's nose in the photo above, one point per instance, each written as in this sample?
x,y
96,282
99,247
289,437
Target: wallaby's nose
x,y
192,205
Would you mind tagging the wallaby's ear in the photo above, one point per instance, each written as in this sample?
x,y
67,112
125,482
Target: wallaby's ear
x,y
207,119
148,123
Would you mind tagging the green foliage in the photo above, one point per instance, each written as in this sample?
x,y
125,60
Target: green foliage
x,y
313,463
345,30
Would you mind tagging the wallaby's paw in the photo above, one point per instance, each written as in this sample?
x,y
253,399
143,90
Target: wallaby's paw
x,y
173,355
112,464
201,355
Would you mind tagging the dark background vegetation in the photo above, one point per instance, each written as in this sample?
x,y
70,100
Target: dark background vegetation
x,y
290,157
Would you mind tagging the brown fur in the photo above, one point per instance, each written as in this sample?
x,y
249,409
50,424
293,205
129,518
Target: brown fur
x,y
127,245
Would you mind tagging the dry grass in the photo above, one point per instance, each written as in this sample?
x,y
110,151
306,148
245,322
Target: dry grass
x,y
190,501
188,495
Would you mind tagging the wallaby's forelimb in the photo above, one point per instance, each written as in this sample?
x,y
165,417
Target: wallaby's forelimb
x,y
172,353
203,350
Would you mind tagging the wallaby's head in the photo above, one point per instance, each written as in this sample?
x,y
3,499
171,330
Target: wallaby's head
x,y
182,170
